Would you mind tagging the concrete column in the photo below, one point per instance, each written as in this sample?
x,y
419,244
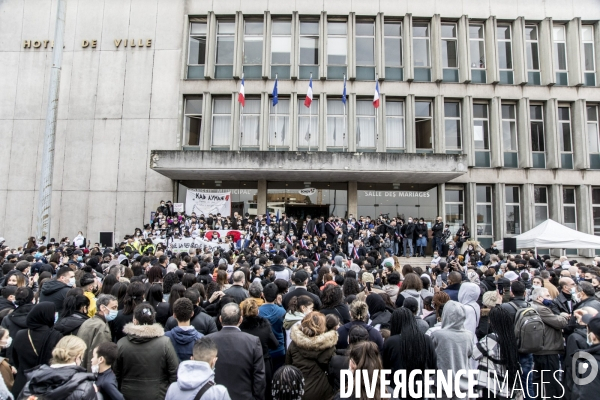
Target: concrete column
x,y
464,65
238,50
584,214
555,200
323,46
294,121
352,198
524,133
323,121
266,65
581,158
596,52
491,51
441,203
380,132
409,121
409,71
551,133
211,40
236,111
527,207
496,145
573,32
261,197
471,208
519,51
265,106
294,56
437,74
546,59
205,129
351,110
439,145
499,211
379,46
351,46
467,129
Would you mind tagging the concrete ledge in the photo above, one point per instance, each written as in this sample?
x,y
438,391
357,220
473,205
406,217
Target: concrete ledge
x,y
311,166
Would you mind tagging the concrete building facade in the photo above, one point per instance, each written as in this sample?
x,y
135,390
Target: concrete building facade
x,y
488,110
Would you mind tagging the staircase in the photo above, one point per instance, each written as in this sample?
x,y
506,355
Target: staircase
x,y
416,261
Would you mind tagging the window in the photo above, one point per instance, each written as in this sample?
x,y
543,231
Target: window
x,y
193,120
394,124
392,42
250,129
505,64
225,48
421,56
481,135
337,49
281,48
365,124
560,54
365,50
308,125
279,124
309,49
593,136
533,55
540,198
253,48
197,50
477,50
336,123
424,125
538,143
566,145
454,208
509,135
596,211
221,123
452,126
449,52
569,208
484,215
513,210
589,62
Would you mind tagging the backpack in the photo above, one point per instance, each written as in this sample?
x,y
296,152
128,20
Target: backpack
x,y
529,329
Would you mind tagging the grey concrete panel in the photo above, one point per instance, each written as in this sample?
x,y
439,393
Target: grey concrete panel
x,y
165,79
219,7
533,10
254,7
11,21
102,214
586,9
142,19
421,8
151,202
9,72
3,194
133,155
30,86
24,148
130,213
19,204
138,83
78,155
316,6
65,87
111,84
105,158
161,134
361,7
89,23
74,212
84,84
560,10
476,8
505,9
36,19
169,24
6,131
60,144
115,24
55,214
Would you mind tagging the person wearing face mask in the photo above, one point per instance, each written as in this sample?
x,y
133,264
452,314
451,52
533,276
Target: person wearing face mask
x,y
96,330
591,389
33,346
64,378
55,290
105,356
74,315
567,296
548,358
408,237
6,370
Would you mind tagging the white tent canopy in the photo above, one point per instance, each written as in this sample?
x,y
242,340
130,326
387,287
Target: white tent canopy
x,y
552,235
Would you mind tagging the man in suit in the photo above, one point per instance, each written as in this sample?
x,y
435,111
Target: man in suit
x,y
310,226
240,366
301,280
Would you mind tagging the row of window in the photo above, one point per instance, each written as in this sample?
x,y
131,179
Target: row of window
x,y
307,41
367,130
454,203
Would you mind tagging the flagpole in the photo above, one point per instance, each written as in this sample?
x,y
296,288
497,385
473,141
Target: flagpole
x,y
241,120
276,120
309,118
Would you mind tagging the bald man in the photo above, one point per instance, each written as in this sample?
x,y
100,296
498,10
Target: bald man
x,y
237,290
567,298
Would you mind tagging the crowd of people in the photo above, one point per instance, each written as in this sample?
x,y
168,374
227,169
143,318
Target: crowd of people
x,y
283,310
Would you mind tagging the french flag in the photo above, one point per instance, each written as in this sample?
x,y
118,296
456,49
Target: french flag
x,y
242,95
309,95
375,97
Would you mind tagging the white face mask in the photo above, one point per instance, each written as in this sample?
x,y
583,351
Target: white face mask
x,y
8,343
95,369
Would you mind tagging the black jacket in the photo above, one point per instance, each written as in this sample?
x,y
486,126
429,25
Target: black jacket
x,y
240,366
70,325
68,383
410,230
300,291
590,390
437,229
340,361
203,322
14,322
55,292
117,325
4,304
420,229
344,330
341,311
562,303
261,328
107,385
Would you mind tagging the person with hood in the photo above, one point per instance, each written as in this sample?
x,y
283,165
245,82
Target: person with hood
x,y
197,375
454,282
360,316
378,313
413,306
7,301
17,320
95,331
201,321
310,351
147,362
392,288
281,271
333,303
33,346
274,312
255,325
74,314
411,287
339,264
298,308
64,378
453,343
407,348
468,296
55,290
184,334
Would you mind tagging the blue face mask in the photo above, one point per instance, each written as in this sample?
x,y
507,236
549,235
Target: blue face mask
x,y
80,258
547,302
112,314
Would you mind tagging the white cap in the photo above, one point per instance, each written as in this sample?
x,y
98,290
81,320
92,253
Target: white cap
x,y
511,276
2,240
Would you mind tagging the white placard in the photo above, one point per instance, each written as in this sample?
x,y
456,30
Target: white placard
x,y
203,202
178,207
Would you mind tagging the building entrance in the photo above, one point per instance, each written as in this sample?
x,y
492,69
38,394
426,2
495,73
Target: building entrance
x,y
300,211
